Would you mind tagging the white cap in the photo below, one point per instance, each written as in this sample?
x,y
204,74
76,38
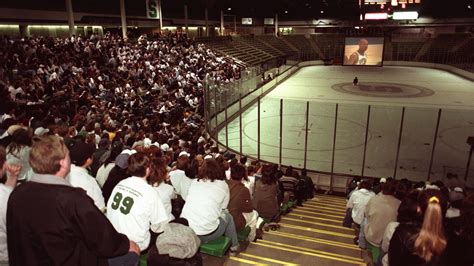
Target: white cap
x,y
165,147
432,187
184,153
208,157
41,131
458,189
383,180
129,152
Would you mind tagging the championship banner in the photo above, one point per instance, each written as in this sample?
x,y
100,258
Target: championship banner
x,y
152,9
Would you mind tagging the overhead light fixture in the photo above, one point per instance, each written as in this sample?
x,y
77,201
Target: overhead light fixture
x,y
376,16
322,11
229,9
405,15
394,2
286,11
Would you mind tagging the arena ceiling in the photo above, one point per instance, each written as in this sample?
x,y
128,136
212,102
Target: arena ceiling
x,y
287,9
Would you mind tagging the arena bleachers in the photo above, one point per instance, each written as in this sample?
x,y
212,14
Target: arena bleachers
x,y
405,51
438,52
305,48
331,45
278,43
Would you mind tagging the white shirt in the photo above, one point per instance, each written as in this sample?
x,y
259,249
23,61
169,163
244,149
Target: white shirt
x,y
204,205
79,177
250,185
166,193
4,195
387,236
21,157
133,208
180,182
453,212
103,173
357,202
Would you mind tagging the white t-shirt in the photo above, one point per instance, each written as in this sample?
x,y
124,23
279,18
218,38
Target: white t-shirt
x,y
4,195
79,177
133,208
166,193
358,201
180,182
204,205
103,173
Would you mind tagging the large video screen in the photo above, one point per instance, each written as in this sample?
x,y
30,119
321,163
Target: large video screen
x,y
363,51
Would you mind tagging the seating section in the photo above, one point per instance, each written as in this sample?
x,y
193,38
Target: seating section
x,y
463,57
405,51
242,49
244,234
278,44
304,45
453,49
440,47
331,45
251,40
217,247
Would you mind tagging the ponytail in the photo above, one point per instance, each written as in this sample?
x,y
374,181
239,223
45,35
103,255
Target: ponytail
x,y
431,240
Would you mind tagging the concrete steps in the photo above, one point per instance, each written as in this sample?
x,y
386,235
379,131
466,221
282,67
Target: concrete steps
x,y
309,235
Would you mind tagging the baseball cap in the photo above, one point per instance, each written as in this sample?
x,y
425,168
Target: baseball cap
x,y
80,152
183,153
122,160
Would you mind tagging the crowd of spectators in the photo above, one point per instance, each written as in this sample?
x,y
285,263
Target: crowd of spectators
x,y
105,156
403,223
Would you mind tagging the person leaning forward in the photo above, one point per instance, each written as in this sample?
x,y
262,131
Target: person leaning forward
x,y
49,222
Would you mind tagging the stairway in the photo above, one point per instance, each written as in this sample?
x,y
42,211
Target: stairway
x,y
309,235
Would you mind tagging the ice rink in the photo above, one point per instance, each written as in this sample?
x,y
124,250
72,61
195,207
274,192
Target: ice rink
x,y
387,90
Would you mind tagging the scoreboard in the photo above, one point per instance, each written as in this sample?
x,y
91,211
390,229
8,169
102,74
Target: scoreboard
x,y
392,2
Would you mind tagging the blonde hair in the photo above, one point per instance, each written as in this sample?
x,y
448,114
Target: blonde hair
x,y
46,154
431,239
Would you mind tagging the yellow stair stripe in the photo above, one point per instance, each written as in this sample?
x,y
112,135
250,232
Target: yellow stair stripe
x,y
309,253
315,240
312,217
329,197
247,261
312,210
316,223
341,203
313,250
266,259
329,201
317,213
323,204
297,227
339,209
322,211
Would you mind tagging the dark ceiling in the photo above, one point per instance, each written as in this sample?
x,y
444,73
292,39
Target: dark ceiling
x,y
287,9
